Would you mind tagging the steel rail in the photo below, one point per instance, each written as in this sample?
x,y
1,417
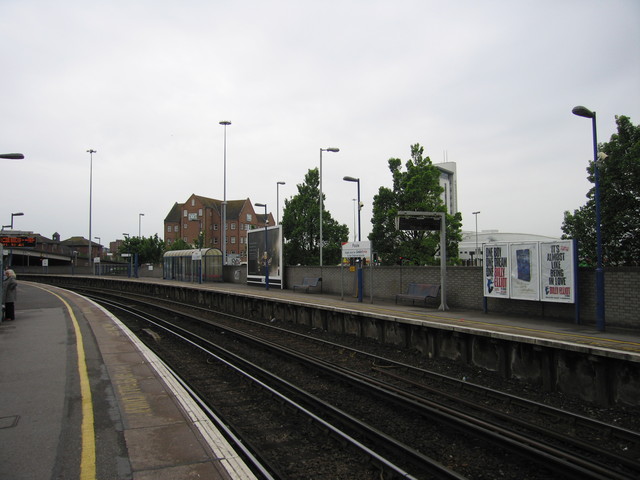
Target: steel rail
x,y
589,467
251,372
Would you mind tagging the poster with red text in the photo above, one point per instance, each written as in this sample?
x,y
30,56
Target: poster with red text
x,y
496,270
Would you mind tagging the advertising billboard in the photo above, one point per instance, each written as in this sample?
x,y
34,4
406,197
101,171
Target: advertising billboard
x,y
538,271
264,250
496,270
524,283
557,264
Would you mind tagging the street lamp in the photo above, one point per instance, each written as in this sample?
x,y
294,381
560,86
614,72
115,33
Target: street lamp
x,y
357,180
476,250
129,254
330,149
224,123
90,152
19,214
266,244
600,324
140,215
354,218
278,202
7,156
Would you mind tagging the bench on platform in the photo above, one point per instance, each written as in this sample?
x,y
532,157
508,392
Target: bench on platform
x,y
307,283
419,291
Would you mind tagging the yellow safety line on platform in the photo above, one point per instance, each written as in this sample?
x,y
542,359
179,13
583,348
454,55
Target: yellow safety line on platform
x,y
88,455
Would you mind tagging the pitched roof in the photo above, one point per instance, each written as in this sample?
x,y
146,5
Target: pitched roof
x,y
174,214
234,207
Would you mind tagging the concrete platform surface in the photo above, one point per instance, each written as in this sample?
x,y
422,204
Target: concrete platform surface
x,y
81,398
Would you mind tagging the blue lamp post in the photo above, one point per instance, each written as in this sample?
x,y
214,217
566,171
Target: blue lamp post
x,y
600,323
266,245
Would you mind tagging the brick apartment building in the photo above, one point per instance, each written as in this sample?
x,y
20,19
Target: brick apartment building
x,y
204,215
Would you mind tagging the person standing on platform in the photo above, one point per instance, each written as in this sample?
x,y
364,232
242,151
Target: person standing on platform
x,y
10,291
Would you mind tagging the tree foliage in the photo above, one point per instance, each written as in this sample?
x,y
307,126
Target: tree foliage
x,y
179,244
619,175
149,250
415,189
301,227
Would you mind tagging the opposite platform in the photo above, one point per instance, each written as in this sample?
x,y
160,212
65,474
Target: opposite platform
x,y
80,397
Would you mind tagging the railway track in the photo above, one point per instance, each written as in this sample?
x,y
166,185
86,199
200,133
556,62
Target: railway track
x,y
363,395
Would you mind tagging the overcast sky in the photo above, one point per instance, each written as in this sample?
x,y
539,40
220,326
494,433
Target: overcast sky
x,y
487,84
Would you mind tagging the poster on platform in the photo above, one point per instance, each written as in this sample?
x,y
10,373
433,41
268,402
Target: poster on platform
x,y
496,270
557,282
524,283
264,258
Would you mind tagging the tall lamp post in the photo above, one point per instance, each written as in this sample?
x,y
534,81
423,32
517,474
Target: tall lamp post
x,y
476,250
334,150
265,256
600,322
354,217
224,123
90,152
7,156
278,202
140,215
357,180
12,156
19,214
129,254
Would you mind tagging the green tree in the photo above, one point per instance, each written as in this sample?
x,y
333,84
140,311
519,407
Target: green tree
x,y
301,228
619,175
149,250
179,244
415,189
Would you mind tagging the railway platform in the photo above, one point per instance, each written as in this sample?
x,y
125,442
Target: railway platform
x,y
625,342
81,398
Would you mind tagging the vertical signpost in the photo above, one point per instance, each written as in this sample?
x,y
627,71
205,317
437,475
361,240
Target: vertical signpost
x,y
358,250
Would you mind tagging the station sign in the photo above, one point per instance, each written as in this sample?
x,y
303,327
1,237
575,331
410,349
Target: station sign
x,y
15,242
356,249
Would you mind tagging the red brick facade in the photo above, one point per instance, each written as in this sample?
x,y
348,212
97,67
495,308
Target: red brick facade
x,y
201,217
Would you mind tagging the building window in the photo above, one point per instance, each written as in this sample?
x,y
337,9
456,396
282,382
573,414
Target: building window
x,y
233,239
193,202
169,229
233,226
249,218
184,213
215,240
185,226
199,212
215,226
